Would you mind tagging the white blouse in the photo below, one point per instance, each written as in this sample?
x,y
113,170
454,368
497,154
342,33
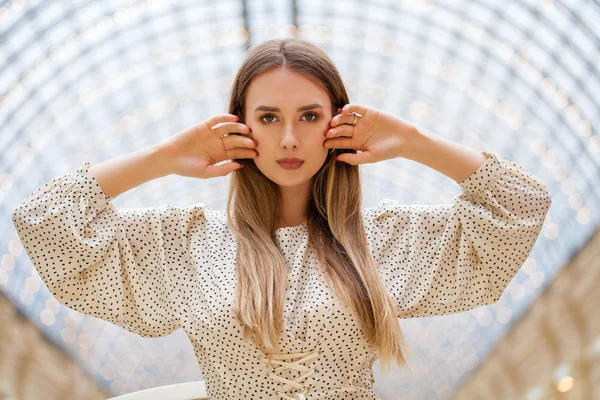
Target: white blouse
x,y
157,269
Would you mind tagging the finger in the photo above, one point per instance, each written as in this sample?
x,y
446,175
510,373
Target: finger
x,y
339,143
340,130
231,154
356,158
338,119
348,119
341,119
225,128
212,121
231,141
221,170
236,127
353,107
335,118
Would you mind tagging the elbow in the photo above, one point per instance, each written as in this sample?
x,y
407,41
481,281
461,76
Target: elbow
x,y
15,215
546,198
494,298
548,201
16,220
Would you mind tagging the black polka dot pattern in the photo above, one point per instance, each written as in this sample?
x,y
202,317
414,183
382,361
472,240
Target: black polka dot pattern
x,y
157,269
126,266
450,258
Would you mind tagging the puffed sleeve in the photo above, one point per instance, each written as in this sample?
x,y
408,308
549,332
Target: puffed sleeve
x,y
128,266
450,258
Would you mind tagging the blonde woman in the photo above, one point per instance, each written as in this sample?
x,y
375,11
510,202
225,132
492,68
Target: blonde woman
x,y
294,290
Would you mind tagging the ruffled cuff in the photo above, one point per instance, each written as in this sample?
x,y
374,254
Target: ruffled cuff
x,y
100,198
478,182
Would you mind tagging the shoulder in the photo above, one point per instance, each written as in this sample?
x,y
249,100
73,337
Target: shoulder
x,y
384,208
216,223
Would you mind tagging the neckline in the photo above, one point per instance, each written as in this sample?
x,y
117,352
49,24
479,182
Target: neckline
x,y
289,228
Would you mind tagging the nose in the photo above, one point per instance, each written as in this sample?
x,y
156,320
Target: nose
x,y
289,139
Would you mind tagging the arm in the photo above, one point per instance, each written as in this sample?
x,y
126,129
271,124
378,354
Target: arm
x,y
450,258
126,172
126,266
451,159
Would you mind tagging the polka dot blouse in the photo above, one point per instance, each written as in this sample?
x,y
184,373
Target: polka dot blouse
x,y
157,269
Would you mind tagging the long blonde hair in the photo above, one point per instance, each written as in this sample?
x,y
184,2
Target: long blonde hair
x,y
335,227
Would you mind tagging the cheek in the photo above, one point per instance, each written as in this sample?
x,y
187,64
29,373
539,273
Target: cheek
x,y
323,132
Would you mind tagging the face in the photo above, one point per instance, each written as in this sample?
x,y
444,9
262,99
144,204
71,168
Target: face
x,y
289,131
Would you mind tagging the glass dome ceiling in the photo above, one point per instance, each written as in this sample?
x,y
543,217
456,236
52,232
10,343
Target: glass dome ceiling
x,y
93,80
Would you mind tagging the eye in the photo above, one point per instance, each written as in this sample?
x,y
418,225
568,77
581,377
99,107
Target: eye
x,y
316,116
266,115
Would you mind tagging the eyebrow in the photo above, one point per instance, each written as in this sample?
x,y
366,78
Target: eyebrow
x,y
303,108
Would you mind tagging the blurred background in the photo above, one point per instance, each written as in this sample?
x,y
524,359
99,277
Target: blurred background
x,y
91,80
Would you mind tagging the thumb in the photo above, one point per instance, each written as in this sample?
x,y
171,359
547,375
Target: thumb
x,y
355,158
222,170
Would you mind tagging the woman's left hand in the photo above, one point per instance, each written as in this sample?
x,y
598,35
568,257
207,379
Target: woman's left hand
x,y
377,135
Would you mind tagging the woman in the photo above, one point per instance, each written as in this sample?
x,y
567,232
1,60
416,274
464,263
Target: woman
x,y
293,291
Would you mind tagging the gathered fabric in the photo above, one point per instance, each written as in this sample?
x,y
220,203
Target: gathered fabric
x,y
154,270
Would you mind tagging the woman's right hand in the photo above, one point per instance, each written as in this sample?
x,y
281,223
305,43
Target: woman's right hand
x,y
194,151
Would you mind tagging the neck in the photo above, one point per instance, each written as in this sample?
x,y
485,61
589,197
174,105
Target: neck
x,y
294,201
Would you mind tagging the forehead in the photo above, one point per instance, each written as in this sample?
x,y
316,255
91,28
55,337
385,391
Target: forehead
x,y
284,88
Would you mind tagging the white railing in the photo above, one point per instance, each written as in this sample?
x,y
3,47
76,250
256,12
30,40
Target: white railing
x,y
180,391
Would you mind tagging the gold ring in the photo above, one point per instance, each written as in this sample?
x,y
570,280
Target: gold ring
x,y
356,115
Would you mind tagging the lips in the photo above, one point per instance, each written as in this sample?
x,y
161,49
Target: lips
x,y
290,160
290,164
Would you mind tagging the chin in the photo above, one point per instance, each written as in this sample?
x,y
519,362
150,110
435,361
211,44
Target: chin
x,y
291,181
